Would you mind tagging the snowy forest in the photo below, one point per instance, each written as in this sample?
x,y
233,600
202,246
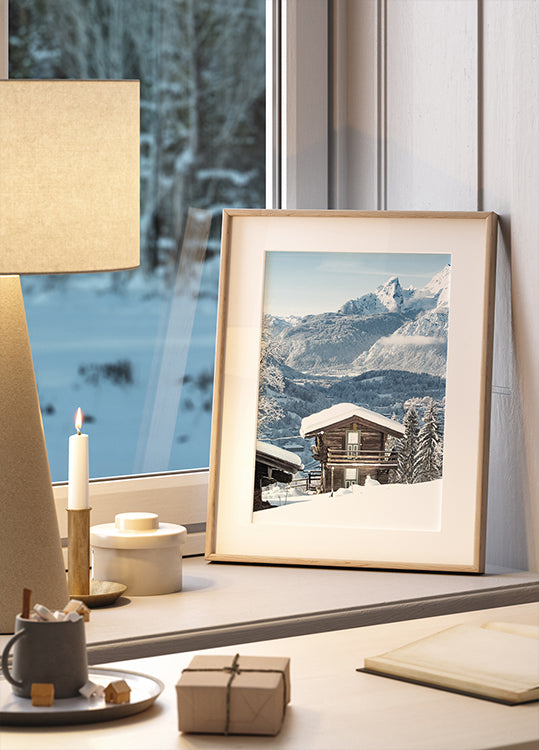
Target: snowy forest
x,y
420,451
201,65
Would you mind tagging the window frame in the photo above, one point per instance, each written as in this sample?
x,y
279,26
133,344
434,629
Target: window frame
x,y
4,39
296,177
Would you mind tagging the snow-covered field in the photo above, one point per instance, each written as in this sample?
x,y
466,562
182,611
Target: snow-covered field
x,y
375,506
85,324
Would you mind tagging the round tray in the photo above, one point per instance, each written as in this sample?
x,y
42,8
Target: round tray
x,y
19,711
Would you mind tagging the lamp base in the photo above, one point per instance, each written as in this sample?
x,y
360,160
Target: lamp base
x,y
30,548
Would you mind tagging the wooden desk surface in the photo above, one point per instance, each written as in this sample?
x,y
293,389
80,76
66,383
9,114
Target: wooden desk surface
x,y
333,707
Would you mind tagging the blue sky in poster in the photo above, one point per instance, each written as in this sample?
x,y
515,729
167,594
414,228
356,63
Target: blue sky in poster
x,y
305,283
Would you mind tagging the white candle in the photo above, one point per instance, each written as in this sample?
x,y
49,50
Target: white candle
x,y
78,487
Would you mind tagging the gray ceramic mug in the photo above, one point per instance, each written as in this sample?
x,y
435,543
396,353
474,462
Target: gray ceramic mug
x,y
51,652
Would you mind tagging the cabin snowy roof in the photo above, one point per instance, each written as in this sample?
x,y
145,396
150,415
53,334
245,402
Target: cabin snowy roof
x,y
273,451
341,412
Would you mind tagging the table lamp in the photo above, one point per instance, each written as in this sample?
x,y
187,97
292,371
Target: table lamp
x,y
69,202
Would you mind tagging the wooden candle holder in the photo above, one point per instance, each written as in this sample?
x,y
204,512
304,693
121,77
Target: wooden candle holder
x,y
78,551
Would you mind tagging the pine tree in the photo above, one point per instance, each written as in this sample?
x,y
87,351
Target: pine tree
x,y
391,453
406,472
428,460
271,381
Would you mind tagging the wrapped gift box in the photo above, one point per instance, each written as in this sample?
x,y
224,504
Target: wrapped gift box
x,y
225,694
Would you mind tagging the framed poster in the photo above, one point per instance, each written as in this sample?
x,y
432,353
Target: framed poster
x,y
352,389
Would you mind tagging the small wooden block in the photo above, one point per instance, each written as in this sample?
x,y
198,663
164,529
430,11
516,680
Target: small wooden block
x,y
42,694
117,692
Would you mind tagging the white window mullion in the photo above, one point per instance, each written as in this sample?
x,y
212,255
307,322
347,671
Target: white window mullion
x,y
4,39
273,103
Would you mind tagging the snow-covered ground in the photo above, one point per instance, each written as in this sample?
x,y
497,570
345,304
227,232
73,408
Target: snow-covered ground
x,y
82,323
375,506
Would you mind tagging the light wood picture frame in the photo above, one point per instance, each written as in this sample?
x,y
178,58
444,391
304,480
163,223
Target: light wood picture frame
x,y
352,388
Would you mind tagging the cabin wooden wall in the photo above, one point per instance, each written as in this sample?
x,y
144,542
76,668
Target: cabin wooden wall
x,y
334,438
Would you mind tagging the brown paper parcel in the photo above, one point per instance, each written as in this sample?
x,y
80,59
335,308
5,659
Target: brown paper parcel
x,y
226,694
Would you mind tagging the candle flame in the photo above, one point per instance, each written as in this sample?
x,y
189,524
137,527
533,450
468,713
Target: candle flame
x,y
78,420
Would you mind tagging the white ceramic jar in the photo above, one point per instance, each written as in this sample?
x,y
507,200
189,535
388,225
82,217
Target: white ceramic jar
x,y
139,552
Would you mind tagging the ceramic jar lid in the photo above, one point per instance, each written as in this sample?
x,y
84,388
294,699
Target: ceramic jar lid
x,y
137,531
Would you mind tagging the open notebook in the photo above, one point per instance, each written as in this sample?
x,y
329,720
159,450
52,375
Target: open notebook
x,y
499,661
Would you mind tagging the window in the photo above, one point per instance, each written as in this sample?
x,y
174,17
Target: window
x,y
353,441
350,477
135,349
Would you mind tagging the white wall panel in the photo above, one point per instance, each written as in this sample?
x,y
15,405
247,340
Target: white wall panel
x,y
506,520
431,104
304,181
355,113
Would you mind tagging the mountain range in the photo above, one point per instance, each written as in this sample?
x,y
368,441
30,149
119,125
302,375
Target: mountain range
x,y
392,328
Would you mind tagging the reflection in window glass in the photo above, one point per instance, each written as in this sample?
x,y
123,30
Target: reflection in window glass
x,y
135,349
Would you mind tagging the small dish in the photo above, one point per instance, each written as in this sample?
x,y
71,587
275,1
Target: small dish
x,y
102,593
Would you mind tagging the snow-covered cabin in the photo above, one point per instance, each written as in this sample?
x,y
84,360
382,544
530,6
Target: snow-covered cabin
x,y
352,443
273,464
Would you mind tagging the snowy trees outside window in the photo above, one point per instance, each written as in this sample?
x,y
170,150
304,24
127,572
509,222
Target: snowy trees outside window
x,y
420,456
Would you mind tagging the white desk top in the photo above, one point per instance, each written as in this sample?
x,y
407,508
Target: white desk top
x,y
333,707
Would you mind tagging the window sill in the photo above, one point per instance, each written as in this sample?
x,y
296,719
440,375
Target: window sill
x,y
222,604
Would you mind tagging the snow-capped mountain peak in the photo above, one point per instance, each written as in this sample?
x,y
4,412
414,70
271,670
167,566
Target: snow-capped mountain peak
x,y
438,288
439,282
368,304
390,294
388,297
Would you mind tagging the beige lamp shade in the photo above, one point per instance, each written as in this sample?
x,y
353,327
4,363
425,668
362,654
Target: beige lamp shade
x,y
69,176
